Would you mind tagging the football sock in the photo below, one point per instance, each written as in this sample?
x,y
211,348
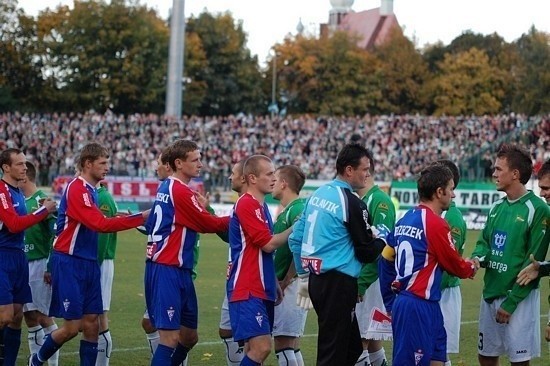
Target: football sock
x,y
233,352
88,353
286,357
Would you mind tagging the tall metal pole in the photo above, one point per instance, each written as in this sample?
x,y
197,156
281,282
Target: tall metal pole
x,y
274,83
175,60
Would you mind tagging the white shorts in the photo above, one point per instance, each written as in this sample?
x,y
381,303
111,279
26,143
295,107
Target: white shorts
x,y
451,308
520,339
290,319
225,322
363,309
41,292
107,275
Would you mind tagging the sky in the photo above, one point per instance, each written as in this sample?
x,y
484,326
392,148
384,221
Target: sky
x,y
425,21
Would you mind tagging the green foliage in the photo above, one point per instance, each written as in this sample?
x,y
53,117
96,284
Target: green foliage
x,y
467,84
533,73
106,55
403,73
222,71
113,54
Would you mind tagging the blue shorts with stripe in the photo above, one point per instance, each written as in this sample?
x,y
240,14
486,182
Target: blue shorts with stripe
x,y
418,332
76,287
251,318
170,296
14,277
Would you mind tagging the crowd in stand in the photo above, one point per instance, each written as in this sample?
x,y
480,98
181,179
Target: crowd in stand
x,y
401,144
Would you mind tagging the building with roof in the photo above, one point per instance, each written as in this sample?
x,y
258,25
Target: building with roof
x,y
372,26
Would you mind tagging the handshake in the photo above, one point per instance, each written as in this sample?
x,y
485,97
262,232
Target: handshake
x,y
302,298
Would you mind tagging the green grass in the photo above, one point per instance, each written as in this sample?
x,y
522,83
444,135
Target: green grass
x,y
128,305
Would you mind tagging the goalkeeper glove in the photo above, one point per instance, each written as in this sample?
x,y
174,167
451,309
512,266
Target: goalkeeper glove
x,y
302,298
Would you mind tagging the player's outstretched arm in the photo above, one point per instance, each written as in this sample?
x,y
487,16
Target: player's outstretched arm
x,y
529,273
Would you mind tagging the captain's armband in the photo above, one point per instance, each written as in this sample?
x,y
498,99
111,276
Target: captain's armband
x,y
388,253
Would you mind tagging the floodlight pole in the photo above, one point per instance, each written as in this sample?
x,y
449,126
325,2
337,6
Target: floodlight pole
x,y
174,77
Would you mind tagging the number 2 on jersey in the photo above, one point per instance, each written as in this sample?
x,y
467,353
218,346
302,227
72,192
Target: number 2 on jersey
x,y
154,237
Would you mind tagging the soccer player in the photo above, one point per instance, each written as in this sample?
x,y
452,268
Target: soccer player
x,y
382,217
451,298
163,171
515,228
252,287
290,318
14,268
333,238
173,227
234,351
423,249
76,290
38,245
539,269
106,259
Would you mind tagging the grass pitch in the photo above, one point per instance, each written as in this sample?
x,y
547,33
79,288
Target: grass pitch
x,y
131,348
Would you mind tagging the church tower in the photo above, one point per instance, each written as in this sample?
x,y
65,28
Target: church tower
x,y
340,8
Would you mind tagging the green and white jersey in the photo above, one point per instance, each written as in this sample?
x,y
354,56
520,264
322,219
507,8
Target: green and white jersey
x,y
38,238
107,241
283,255
456,222
513,231
382,217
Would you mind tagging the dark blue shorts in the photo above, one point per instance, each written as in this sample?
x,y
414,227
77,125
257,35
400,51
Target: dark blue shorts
x,y
418,332
170,296
76,287
14,277
251,318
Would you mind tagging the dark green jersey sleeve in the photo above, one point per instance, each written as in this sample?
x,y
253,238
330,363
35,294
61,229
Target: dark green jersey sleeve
x,y
457,225
283,255
382,216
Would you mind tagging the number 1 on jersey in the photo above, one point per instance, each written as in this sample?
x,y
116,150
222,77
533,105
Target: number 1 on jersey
x,y
308,248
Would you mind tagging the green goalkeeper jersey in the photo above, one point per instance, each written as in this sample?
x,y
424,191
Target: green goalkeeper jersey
x,y
107,241
39,237
513,231
382,217
456,222
283,255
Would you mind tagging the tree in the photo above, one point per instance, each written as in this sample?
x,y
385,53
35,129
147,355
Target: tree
x,y
20,81
467,84
403,73
532,73
330,75
106,55
223,65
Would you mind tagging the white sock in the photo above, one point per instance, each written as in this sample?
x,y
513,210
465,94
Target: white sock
x,y
153,339
364,359
54,360
378,358
233,352
104,348
184,363
299,357
35,338
448,363
286,357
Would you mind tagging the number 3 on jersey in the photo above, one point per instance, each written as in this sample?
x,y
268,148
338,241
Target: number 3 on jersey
x,y
308,248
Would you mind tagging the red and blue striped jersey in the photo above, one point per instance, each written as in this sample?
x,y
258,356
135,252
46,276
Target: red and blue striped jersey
x,y
79,220
13,217
252,271
175,220
424,249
